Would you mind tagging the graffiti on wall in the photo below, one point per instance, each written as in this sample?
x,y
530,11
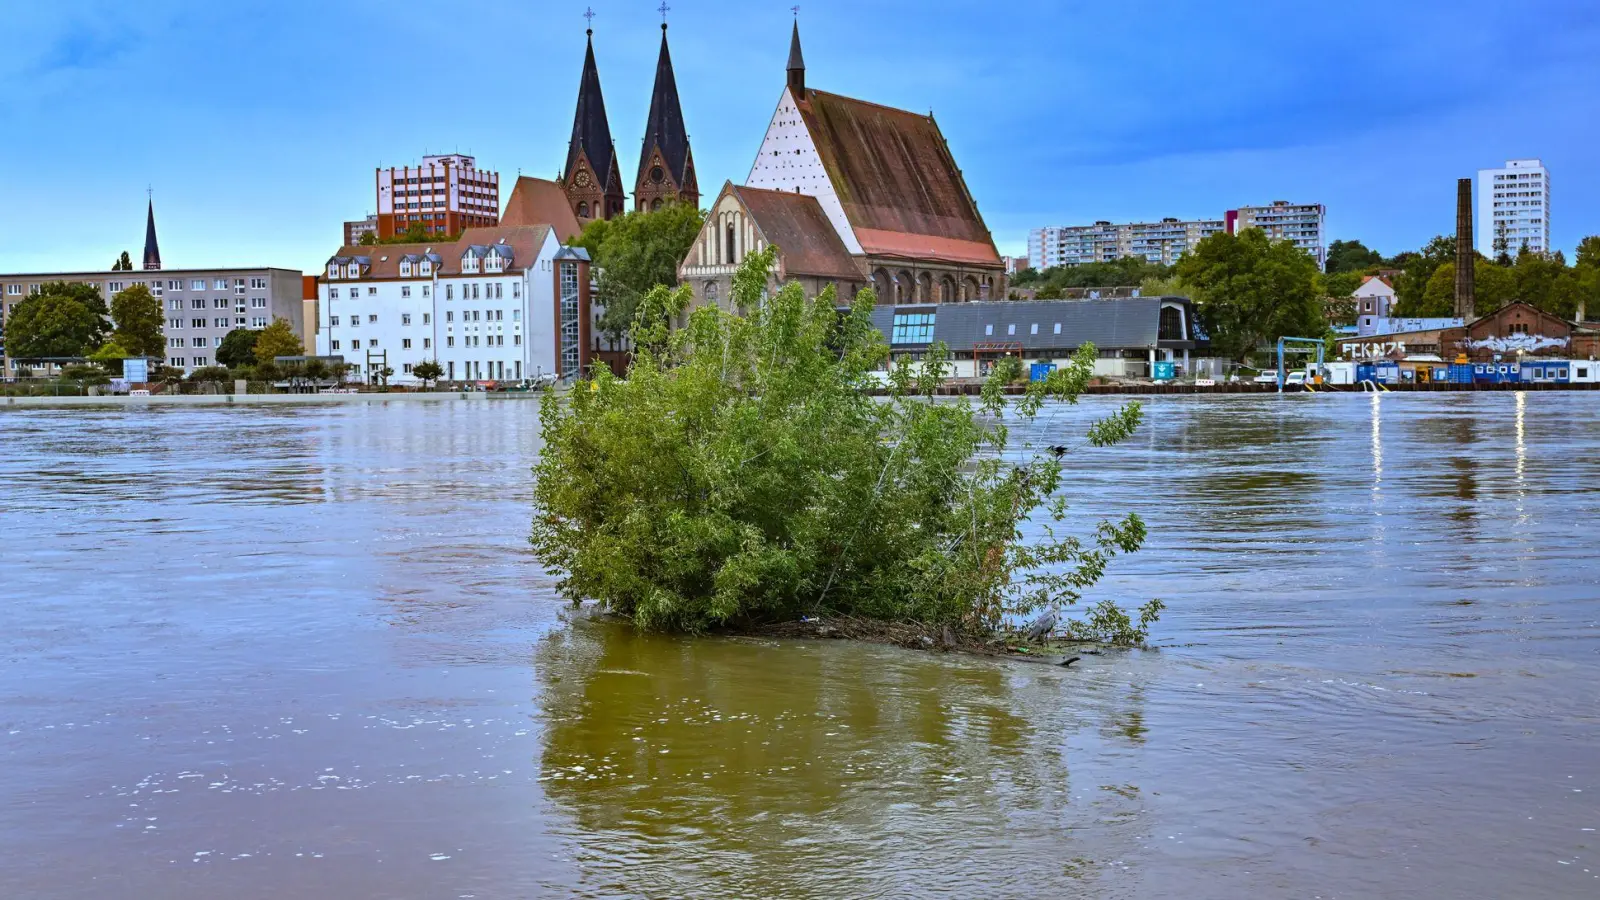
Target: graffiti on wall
x,y
1515,343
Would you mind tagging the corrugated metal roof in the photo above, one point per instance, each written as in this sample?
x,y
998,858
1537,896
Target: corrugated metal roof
x,y
1124,323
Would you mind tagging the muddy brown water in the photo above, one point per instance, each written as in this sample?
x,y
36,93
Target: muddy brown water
x,y
303,651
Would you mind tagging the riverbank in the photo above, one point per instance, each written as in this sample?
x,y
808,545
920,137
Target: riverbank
x,y
973,389
265,399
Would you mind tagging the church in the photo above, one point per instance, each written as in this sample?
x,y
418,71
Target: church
x,y
592,178
881,180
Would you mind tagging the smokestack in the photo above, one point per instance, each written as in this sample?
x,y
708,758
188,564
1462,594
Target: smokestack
x,y
1466,260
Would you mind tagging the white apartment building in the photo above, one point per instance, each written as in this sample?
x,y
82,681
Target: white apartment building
x,y
1301,223
1514,208
485,307
1163,242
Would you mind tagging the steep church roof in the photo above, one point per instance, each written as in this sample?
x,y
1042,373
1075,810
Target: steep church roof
x,y
893,173
664,127
896,179
152,250
801,231
591,132
536,201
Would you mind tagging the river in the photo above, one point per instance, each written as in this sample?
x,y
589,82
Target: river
x,y
261,652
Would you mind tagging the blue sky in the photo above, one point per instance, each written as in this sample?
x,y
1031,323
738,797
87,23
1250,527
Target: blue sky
x,y
259,124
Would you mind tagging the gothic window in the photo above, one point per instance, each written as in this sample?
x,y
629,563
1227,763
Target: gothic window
x,y
730,258
583,210
655,204
711,292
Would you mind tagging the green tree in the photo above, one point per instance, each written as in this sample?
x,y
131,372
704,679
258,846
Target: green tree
x,y
369,239
1251,290
1588,252
1418,268
1338,285
60,320
742,474
122,263
110,356
211,375
633,253
428,370
1125,271
1351,256
277,339
139,320
238,348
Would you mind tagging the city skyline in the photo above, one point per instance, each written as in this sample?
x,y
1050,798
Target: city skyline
x,y
259,126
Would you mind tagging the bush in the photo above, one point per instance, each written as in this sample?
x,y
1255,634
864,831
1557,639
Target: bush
x,y
742,475
213,374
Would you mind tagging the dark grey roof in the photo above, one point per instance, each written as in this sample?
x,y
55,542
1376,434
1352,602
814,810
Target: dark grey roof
x,y
152,250
664,127
1109,324
591,132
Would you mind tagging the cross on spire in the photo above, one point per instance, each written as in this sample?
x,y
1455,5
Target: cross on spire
x,y
795,10
588,15
664,9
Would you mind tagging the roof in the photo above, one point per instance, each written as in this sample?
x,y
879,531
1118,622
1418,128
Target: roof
x,y
591,132
895,177
1378,278
152,250
1132,322
539,201
664,126
383,260
797,225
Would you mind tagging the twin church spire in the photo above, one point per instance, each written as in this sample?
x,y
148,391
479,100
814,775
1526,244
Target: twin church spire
x,y
593,178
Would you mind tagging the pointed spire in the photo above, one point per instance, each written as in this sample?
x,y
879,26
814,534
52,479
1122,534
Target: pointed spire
x,y
797,62
665,138
591,132
152,250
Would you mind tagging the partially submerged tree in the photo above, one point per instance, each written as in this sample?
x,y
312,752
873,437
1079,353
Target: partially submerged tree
x,y
742,474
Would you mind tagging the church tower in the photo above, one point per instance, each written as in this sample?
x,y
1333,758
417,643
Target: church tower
x,y
666,164
592,180
152,250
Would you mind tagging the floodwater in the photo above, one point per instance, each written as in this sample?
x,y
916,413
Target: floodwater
x,y
304,652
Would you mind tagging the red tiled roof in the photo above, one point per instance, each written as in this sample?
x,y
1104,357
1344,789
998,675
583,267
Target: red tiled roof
x,y
524,241
801,231
896,180
536,201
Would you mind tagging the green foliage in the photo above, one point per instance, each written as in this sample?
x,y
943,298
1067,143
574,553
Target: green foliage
x,y
415,233
1351,257
1250,291
110,357
60,320
428,370
212,374
741,474
369,239
84,375
122,263
1411,287
1338,285
1127,271
238,348
277,339
633,253
1588,253
139,320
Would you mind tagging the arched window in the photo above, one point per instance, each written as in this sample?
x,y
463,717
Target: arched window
x,y
583,210
711,292
731,259
655,204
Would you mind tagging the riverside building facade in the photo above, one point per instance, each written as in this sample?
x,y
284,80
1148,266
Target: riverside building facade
x,y
500,304
202,305
1163,242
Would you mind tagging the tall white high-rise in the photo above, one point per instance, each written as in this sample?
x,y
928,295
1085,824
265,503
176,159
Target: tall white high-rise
x,y
1513,208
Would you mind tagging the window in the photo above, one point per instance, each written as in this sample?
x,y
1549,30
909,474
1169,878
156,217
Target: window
x,y
333,321
177,342
516,315
259,284
407,367
449,315
197,323
516,290
258,322
199,342
220,284
475,315
1058,328
427,318
335,345
174,304
199,284
912,328
355,344
405,343
238,321
405,270
14,289
474,292
220,323
516,339
450,342
1518,328
426,343
372,319
333,293
499,291
449,292
405,290
219,303
258,303
405,318
1011,329
372,292
198,303
424,290
1034,328
333,271
988,330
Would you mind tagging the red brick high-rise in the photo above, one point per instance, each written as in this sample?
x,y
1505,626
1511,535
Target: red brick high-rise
x,y
445,195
